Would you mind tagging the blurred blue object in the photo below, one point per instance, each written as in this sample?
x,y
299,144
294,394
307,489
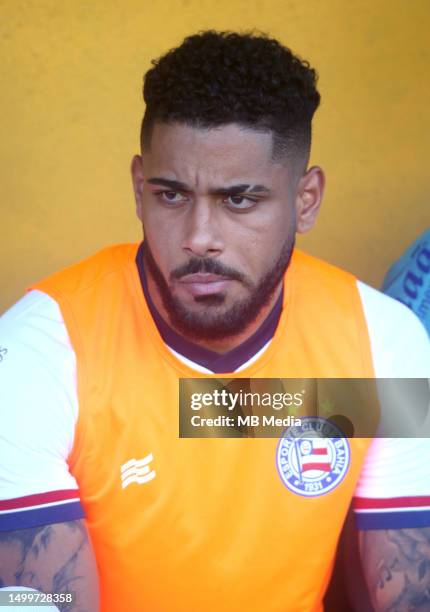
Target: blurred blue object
x,y
408,279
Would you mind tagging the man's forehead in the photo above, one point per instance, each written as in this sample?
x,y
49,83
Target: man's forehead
x,y
228,135
229,153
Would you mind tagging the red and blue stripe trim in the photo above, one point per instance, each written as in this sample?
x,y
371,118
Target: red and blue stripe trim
x,y
40,509
392,513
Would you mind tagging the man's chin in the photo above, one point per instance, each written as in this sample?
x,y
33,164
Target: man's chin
x,y
207,313
216,302
197,329
209,320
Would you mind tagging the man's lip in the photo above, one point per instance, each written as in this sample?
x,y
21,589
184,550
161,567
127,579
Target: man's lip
x,y
203,278
198,285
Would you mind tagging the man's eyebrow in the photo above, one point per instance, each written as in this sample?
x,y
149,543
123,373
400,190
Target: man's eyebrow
x,y
232,190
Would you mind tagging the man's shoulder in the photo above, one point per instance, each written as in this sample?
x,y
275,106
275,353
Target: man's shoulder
x,y
33,331
79,275
400,344
306,263
376,301
384,305
34,311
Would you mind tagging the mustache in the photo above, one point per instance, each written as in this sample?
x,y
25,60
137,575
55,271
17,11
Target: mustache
x,y
208,266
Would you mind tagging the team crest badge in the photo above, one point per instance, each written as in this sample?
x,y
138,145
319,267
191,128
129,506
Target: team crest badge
x,y
312,458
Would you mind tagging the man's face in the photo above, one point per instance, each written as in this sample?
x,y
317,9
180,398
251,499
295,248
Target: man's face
x,y
219,219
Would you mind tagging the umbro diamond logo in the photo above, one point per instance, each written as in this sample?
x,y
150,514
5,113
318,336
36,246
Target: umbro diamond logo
x,y
137,470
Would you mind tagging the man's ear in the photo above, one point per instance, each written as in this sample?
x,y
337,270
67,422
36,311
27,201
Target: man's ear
x,y
310,191
137,178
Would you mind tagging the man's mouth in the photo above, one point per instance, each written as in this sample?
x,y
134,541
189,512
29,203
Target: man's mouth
x,y
204,284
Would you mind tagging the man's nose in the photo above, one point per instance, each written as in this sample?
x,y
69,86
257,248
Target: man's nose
x,y
202,232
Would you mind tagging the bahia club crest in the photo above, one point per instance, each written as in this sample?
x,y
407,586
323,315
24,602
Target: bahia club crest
x,y
312,458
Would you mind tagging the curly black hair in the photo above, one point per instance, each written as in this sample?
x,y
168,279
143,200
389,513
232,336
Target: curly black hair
x,y
214,78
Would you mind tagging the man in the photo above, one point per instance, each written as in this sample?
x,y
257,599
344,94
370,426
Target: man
x,y
89,380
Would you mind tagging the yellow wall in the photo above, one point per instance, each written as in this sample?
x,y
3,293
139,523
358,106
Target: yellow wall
x,y
70,109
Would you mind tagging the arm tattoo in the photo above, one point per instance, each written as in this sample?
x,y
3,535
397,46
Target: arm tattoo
x,y
396,564
49,558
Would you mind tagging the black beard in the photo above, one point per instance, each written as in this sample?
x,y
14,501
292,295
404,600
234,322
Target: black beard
x,y
217,326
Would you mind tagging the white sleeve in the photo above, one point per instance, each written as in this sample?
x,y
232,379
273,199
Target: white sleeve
x,y
393,491
38,413
399,341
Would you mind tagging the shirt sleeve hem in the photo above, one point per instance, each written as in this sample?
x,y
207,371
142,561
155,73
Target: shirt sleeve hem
x,y
25,519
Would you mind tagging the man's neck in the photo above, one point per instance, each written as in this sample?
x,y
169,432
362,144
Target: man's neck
x,y
219,346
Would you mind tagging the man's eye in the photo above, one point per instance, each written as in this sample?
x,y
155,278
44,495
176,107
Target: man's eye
x,y
170,197
239,202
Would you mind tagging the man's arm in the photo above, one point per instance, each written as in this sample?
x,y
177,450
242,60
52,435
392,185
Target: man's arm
x,y
38,422
396,565
55,558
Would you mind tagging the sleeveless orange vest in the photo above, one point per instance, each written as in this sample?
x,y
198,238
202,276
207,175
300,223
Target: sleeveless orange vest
x,y
213,527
